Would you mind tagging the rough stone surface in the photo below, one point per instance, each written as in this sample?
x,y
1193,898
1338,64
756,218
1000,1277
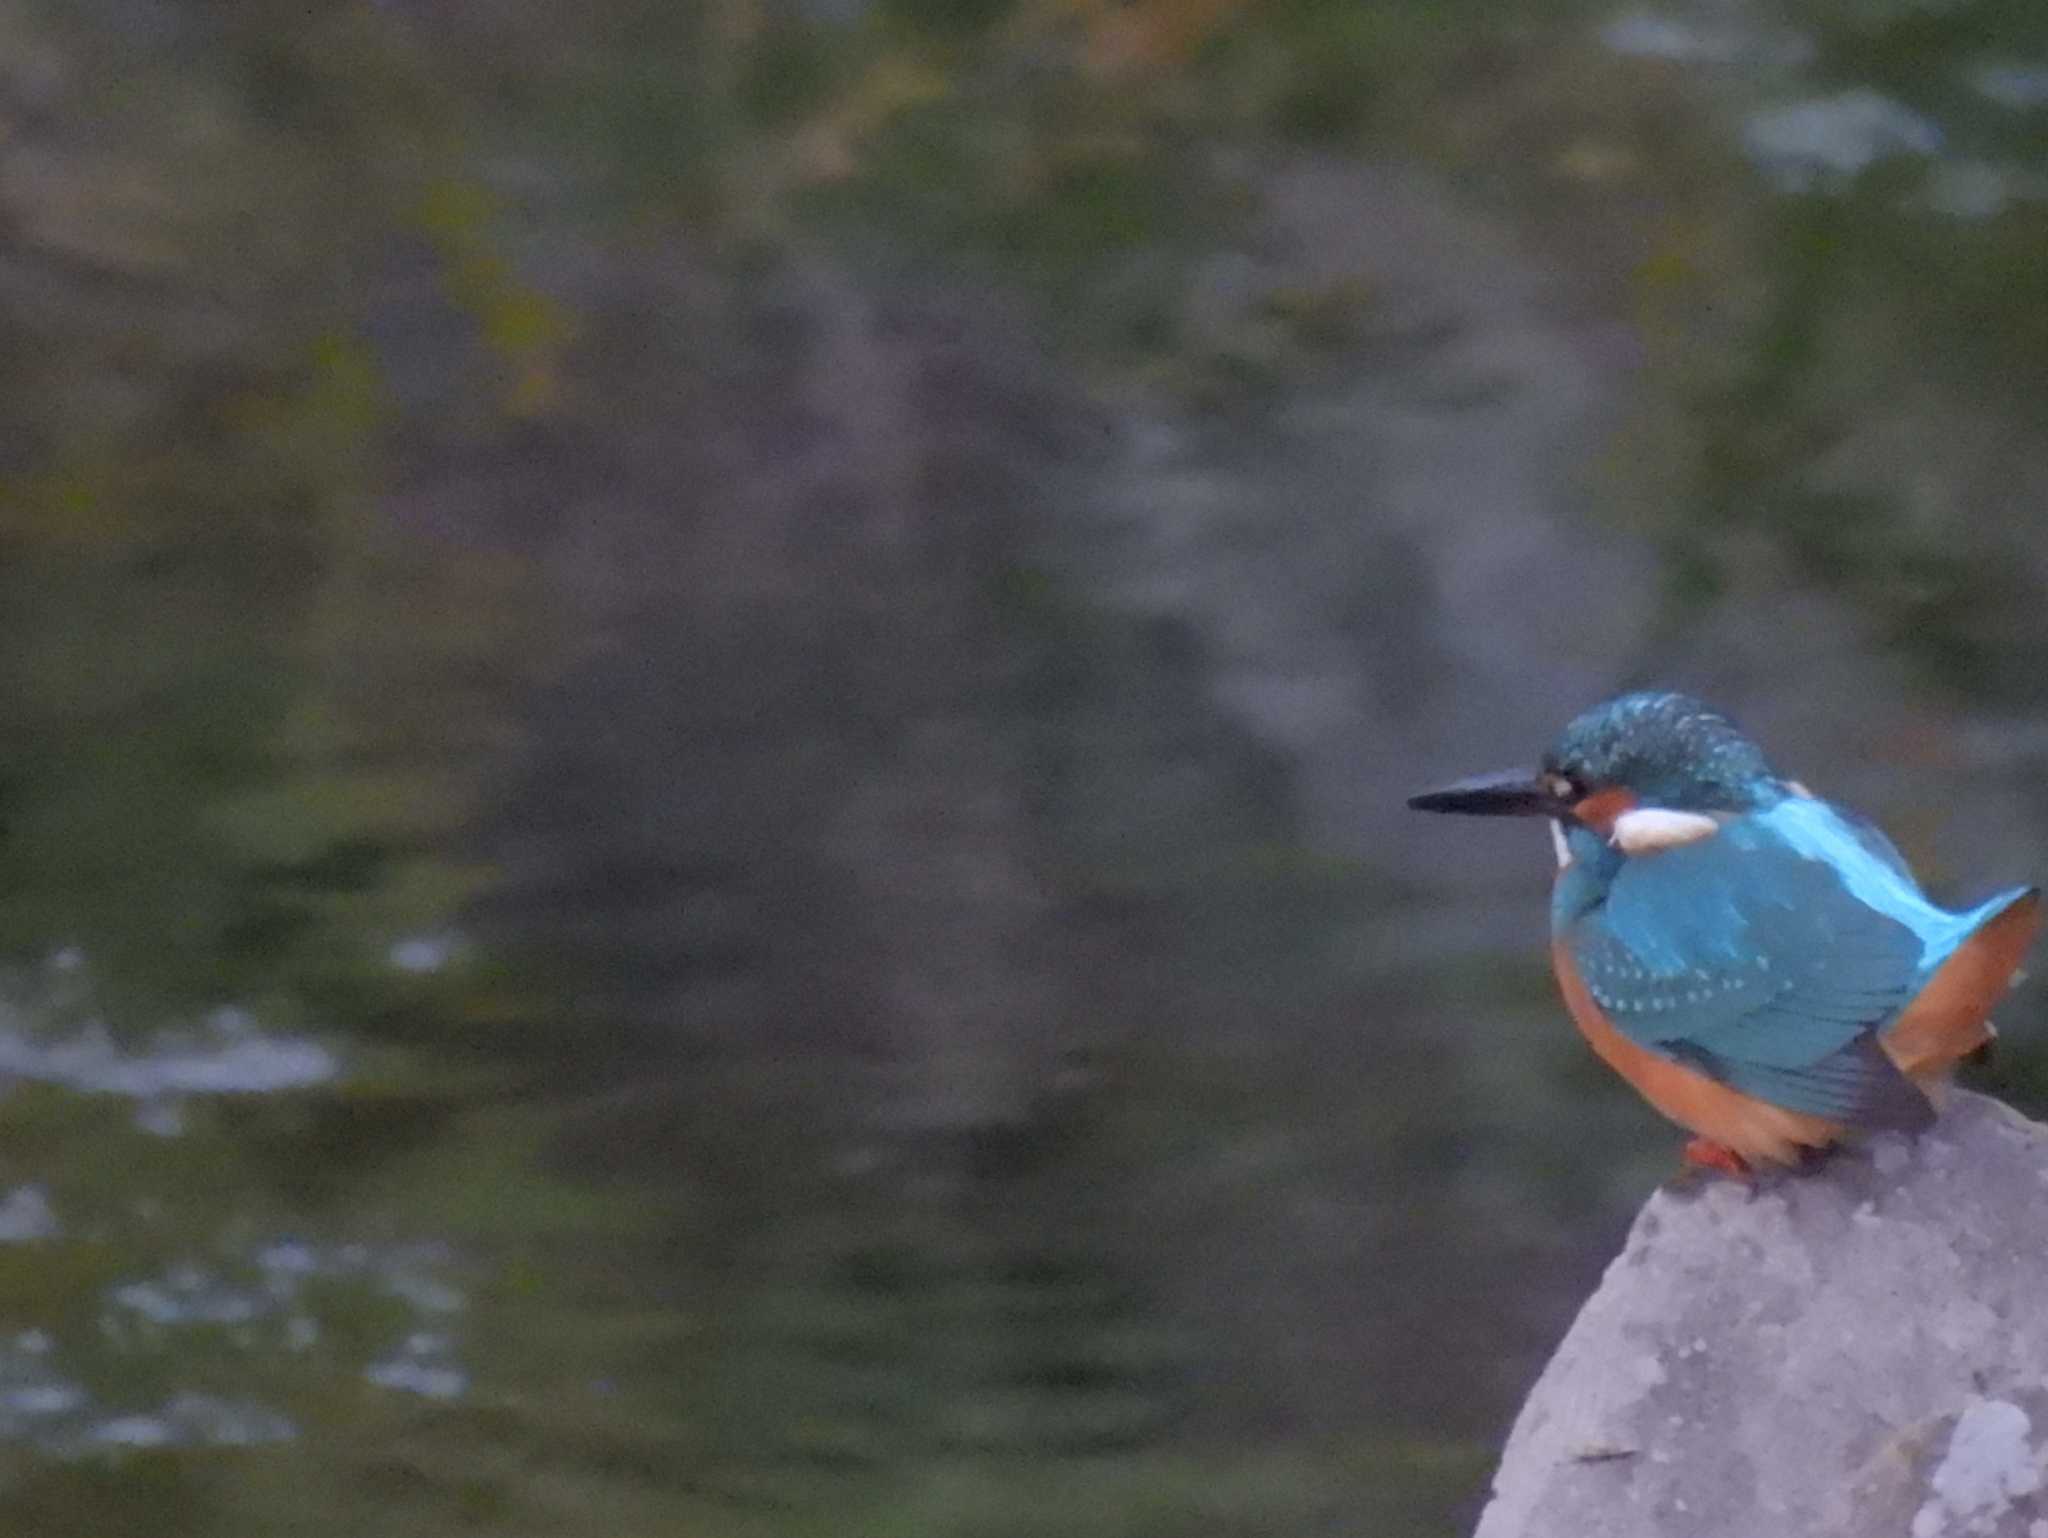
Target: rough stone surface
x,y
1861,1351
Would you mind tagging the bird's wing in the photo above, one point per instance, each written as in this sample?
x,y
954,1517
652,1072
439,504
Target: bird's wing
x,y
1755,964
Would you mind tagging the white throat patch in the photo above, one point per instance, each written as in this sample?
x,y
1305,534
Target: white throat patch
x,y
1647,829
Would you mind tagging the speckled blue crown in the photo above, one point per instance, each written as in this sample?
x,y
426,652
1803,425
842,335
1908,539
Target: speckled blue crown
x,y
1670,749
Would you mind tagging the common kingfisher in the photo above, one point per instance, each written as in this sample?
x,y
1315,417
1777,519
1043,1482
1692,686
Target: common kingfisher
x,y
1758,962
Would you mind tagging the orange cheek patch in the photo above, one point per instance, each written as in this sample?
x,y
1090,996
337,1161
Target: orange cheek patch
x,y
1599,810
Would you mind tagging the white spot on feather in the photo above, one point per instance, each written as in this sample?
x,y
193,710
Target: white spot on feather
x,y
1564,850
1647,829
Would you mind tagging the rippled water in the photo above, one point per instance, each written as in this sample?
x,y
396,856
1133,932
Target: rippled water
x,y
159,1286
720,850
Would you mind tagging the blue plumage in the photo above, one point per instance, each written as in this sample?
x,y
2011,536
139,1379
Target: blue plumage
x,y
1769,955
1760,963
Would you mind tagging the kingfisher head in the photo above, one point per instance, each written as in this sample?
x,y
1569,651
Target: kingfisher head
x,y
1656,752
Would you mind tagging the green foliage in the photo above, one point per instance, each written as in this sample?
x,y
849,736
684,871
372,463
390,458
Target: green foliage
x,y
947,18
789,71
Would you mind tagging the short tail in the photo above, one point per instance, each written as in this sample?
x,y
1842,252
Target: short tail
x,y
1950,1018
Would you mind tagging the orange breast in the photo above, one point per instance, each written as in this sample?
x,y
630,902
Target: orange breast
x,y
1754,1128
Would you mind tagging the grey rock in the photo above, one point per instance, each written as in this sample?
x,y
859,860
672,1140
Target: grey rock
x,y
1856,1352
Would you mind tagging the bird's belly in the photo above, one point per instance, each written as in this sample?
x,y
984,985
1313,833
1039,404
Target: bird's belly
x,y
1756,1129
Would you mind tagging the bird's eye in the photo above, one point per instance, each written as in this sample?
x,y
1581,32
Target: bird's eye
x,y
1562,786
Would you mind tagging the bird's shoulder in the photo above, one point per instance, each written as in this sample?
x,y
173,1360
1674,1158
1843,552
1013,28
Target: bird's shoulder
x,y
1798,851
1758,937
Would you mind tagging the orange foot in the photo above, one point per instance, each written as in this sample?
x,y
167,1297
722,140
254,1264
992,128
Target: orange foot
x,y
1705,1154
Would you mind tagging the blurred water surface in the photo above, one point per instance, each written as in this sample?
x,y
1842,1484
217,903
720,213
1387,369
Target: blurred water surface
x,y
706,710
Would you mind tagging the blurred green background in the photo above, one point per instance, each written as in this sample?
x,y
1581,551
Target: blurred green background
x,y
703,710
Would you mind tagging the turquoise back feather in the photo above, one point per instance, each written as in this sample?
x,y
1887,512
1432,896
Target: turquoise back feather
x,y
1769,956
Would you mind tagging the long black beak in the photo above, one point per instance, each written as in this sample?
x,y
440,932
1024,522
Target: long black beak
x,y
1515,793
